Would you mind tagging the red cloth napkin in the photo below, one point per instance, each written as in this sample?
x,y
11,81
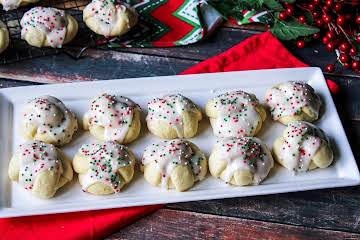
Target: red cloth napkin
x,y
261,51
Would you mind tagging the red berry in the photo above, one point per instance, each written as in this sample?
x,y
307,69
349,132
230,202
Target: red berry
x,y
311,6
346,65
355,65
357,19
338,7
300,44
327,18
316,2
302,19
329,3
358,38
316,14
344,58
341,20
348,17
330,34
325,40
316,35
330,68
286,4
326,8
290,11
319,22
353,52
344,47
330,46
283,16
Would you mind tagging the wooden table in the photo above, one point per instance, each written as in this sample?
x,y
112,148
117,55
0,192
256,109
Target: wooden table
x,y
323,214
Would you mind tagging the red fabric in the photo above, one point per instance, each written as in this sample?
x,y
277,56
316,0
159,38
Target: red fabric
x,y
262,51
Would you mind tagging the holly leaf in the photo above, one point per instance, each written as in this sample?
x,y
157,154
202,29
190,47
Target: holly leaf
x,y
288,1
291,29
255,4
229,8
273,5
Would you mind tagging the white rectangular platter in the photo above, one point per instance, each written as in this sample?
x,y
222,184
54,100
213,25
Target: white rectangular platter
x,y
16,201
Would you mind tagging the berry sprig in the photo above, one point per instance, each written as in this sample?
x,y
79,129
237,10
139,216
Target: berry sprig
x,y
335,22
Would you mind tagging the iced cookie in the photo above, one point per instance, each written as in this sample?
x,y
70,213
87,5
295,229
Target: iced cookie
x,y
47,119
14,4
235,114
174,164
40,168
113,118
240,161
48,27
104,168
109,18
4,37
173,116
292,101
303,147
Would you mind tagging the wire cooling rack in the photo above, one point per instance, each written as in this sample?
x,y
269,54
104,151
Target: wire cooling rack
x,y
19,50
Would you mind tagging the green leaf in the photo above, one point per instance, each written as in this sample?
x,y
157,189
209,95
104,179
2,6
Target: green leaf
x,y
229,8
255,4
291,29
273,5
288,1
309,17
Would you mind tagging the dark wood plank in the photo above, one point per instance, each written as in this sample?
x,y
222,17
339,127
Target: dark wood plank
x,y
101,64
170,224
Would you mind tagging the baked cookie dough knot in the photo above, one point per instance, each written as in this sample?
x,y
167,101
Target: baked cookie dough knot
x,y
104,168
173,116
174,164
291,101
48,27
4,37
303,147
240,161
235,114
109,18
47,119
40,168
113,117
14,4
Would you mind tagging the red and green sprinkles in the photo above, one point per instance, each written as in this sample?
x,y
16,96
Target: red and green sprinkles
x,y
35,157
50,20
105,161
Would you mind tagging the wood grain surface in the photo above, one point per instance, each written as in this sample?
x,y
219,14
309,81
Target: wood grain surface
x,y
325,214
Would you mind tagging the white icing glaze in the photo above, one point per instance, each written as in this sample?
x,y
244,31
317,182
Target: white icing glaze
x,y
10,4
107,13
167,155
51,117
169,109
114,113
36,157
51,21
237,115
288,99
301,142
247,153
105,161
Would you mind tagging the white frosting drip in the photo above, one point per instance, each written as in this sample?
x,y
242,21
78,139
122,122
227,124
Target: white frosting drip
x,y
301,142
288,99
247,153
169,109
237,115
105,161
10,4
107,13
114,113
51,117
36,157
167,155
51,21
